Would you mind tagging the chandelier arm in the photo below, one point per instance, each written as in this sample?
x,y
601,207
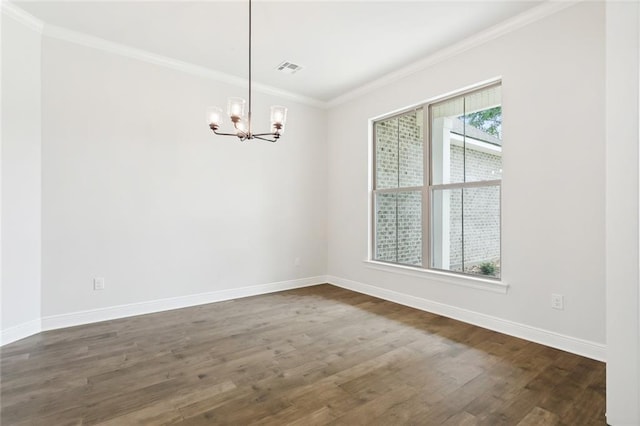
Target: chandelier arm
x,y
241,136
265,139
225,134
275,135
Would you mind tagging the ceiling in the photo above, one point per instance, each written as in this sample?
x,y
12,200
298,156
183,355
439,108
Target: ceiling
x,y
342,45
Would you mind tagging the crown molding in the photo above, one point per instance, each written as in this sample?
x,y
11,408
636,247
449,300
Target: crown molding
x,y
505,27
549,8
20,15
53,31
86,40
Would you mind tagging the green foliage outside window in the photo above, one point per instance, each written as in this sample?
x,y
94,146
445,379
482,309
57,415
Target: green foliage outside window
x,y
487,120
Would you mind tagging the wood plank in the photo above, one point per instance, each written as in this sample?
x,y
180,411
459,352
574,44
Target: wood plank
x,y
539,417
313,356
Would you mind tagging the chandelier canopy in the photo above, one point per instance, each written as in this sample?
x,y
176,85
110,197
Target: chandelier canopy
x,y
241,122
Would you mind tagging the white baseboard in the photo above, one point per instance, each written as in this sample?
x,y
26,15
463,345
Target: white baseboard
x,y
114,312
122,311
582,347
574,345
20,331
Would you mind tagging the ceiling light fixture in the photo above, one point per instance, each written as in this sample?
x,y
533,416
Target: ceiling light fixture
x,y
242,123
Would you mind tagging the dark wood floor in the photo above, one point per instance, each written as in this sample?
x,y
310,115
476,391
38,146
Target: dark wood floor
x,y
319,355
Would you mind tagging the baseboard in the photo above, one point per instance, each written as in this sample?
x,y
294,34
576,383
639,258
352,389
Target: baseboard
x,y
581,347
20,331
574,345
122,311
617,421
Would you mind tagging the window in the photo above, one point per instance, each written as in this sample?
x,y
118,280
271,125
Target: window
x,y
436,205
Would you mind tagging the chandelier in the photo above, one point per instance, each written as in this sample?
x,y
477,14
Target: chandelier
x,y
241,122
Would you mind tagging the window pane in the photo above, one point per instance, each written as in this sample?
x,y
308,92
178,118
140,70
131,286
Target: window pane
x,y
399,227
386,238
482,230
410,144
399,151
446,229
466,138
386,141
410,228
483,135
447,139
482,161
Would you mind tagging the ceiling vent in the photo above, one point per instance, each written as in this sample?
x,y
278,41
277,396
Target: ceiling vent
x,y
289,67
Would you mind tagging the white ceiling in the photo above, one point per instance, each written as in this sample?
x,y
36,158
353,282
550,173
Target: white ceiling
x,y
342,45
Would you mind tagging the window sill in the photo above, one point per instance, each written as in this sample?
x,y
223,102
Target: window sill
x,y
495,286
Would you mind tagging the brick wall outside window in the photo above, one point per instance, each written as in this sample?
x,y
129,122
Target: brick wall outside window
x,y
399,162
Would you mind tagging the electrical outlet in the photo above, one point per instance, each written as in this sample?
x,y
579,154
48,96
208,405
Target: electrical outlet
x,y
297,261
557,301
98,283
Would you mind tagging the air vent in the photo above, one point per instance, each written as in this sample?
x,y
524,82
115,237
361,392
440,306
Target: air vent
x,y
289,67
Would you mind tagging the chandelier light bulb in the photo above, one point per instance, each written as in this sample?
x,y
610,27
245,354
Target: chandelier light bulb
x,y
235,107
278,116
214,117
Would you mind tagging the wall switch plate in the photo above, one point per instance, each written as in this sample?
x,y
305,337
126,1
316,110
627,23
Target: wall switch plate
x,y
98,283
557,301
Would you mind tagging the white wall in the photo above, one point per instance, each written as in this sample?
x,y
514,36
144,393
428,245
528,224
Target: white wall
x,y
623,275
553,181
136,188
138,191
20,298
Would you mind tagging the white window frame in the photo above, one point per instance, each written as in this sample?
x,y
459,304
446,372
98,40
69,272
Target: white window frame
x,y
426,190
